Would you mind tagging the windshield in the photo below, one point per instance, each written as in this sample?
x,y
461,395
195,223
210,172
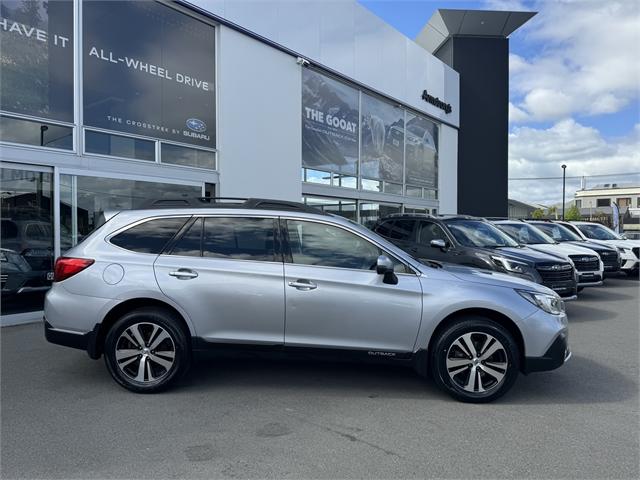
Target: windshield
x,y
524,233
598,232
475,233
558,232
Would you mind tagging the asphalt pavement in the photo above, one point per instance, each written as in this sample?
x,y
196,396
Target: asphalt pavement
x,y
63,417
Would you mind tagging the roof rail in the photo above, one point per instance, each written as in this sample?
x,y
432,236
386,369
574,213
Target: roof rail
x,y
232,202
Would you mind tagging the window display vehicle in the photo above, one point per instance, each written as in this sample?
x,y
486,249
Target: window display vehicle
x,y
595,232
609,255
150,288
475,242
586,262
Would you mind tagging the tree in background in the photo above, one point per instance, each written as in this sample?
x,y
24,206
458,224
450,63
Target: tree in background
x,y
572,214
552,212
538,214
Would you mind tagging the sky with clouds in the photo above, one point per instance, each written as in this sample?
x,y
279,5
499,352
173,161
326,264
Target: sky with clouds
x,y
574,89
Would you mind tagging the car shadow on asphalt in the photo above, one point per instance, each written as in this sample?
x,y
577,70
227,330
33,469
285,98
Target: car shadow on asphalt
x,y
580,381
580,313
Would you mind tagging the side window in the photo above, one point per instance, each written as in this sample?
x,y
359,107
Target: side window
x,y
328,246
150,236
384,228
240,238
431,231
190,244
401,230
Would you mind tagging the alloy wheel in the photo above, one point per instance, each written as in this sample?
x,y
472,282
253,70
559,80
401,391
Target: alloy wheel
x,y
145,352
477,362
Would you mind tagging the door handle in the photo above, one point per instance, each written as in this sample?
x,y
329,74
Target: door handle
x,y
303,285
183,274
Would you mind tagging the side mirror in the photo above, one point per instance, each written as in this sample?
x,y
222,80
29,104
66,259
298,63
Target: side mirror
x,y
384,266
439,243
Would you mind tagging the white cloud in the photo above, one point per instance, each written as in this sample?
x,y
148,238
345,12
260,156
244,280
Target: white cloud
x,y
541,152
587,63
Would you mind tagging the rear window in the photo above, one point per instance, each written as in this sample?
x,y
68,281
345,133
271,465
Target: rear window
x,y
150,236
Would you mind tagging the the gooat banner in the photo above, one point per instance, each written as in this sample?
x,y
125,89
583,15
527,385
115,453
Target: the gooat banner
x,y
329,124
149,70
36,58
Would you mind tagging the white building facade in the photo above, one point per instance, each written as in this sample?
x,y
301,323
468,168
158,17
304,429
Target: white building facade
x,y
107,105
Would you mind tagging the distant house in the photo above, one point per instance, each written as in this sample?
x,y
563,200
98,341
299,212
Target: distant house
x,y
596,204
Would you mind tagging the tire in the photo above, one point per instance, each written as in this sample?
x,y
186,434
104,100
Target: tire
x,y
452,365
147,366
580,289
633,273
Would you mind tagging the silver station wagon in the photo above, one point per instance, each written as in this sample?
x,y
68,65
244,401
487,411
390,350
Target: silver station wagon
x,y
151,288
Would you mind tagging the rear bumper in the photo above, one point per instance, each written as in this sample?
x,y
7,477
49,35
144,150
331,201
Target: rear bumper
x,y
82,341
557,354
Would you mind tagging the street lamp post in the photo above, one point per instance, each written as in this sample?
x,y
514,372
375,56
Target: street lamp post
x,y
564,171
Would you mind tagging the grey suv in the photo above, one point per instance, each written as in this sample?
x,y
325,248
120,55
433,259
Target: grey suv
x,y
151,288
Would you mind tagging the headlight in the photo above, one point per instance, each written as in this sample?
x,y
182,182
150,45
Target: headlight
x,y
625,250
549,303
509,265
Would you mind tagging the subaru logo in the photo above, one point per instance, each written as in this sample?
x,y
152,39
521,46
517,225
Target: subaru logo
x,y
196,125
585,259
556,267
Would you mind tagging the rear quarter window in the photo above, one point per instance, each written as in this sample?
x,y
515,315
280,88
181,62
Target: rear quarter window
x,y
150,236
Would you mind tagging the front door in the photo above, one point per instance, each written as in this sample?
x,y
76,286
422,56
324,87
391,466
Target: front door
x,y
227,274
335,298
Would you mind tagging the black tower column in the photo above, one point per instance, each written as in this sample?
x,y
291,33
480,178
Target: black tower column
x,y
475,44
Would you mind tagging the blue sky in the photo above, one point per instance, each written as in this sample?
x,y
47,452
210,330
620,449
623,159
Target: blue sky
x,y
574,92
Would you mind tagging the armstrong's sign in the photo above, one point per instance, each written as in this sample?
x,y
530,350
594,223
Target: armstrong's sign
x,y
436,102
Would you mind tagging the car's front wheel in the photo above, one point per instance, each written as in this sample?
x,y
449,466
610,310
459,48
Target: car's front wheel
x,y
146,350
475,360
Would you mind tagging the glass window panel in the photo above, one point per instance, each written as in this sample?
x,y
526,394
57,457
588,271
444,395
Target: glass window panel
x,y
190,244
329,124
343,207
373,185
32,132
119,146
394,188
36,40
150,236
84,201
189,157
382,140
421,151
414,191
26,257
240,238
317,176
345,181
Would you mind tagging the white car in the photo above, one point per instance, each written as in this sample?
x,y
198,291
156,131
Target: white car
x,y
629,249
588,264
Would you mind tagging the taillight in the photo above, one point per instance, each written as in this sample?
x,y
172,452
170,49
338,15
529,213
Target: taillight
x,y
67,267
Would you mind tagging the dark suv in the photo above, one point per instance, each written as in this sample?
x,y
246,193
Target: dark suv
x,y
475,242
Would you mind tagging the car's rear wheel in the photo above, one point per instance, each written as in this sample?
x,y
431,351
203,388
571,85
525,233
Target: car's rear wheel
x,y
475,360
146,350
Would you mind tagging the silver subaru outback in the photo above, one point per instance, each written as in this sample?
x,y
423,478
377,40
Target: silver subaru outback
x,y
152,288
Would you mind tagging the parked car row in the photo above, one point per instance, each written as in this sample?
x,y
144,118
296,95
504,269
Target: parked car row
x,y
564,256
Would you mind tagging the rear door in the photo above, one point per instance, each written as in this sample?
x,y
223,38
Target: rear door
x,y
227,274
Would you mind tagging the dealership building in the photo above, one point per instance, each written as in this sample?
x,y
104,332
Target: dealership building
x,y
108,104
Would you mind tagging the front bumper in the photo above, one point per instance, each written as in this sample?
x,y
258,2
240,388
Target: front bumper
x,y
557,354
82,341
590,279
